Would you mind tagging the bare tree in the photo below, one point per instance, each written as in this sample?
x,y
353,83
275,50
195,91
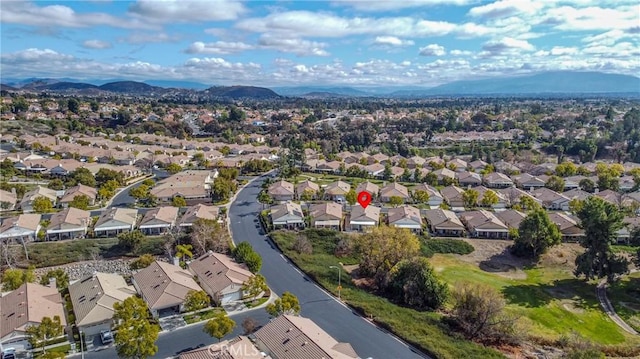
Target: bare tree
x,y
209,235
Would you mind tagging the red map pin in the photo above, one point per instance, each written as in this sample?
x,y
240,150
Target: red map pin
x,y
364,198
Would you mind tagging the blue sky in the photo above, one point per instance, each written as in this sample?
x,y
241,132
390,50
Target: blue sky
x,y
339,42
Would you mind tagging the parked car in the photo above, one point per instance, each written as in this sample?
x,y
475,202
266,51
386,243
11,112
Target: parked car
x,y
106,337
9,353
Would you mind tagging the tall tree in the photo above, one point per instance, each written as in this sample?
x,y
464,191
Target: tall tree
x,y
479,311
287,304
136,335
219,326
536,234
470,198
13,278
489,198
382,248
196,300
80,201
255,285
421,196
555,183
351,197
42,204
207,235
49,328
61,277
414,283
600,220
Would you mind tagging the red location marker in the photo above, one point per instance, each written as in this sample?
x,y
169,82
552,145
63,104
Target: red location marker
x,y
364,198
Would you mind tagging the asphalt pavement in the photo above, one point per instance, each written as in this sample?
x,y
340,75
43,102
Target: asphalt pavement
x,y
368,340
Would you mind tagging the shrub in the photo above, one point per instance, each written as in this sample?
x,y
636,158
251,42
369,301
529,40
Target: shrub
x,y
456,246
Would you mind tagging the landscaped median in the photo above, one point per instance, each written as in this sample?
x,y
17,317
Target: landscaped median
x,y
202,315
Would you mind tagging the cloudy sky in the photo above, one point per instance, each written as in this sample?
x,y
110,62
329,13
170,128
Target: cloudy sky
x,y
339,42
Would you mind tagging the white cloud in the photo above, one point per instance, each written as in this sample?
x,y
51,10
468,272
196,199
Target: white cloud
x,y
171,11
34,55
378,5
96,44
432,50
27,13
318,24
568,18
460,53
506,8
561,51
218,47
147,38
505,44
299,47
392,41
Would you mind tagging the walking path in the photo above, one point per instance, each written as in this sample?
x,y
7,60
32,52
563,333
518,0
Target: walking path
x,y
601,293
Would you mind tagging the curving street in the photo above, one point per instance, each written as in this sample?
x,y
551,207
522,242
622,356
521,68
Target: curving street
x,y
338,320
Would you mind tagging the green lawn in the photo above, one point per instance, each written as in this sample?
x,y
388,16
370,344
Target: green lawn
x,y
423,329
625,297
551,301
204,315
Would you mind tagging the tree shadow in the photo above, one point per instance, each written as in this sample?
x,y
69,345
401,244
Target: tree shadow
x,y
581,294
505,261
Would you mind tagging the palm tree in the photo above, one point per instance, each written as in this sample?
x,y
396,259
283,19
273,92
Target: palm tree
x,y
184,250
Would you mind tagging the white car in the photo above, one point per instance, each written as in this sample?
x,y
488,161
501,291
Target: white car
x,y
106,337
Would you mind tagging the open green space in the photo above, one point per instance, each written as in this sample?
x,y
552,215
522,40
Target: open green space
x,y
202,315
422,329
550,302
625,298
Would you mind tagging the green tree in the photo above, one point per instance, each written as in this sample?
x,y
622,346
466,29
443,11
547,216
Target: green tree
x,y
265,198
421,196
414,283
555,183
139,192
56,184
61,277
105,175
136,335
601,220
255,285
143,261
575,205
222,189
528,203
13,278
83,176
536,234
387,173
73,105
307,195
173,168
49,328
587,185
396,201
219,326
130,240
253,261
196,300
470,198
382,248
566,169
42,204
178,201
80,201
184,250
489,198
287,304
351,197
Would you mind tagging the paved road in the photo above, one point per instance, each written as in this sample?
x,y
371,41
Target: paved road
x,y
169,343
332,316
601,292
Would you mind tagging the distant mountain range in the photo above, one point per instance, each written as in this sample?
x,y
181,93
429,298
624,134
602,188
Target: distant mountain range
x,y
549,83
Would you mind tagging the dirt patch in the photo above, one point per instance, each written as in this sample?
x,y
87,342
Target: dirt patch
x,y
571,306
493,256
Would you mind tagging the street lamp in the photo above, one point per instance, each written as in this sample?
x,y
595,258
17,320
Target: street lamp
x,y
81,349
339,279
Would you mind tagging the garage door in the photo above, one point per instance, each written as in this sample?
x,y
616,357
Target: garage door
x,y
231,297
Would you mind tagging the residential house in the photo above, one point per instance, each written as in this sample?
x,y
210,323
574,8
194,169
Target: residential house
x,y
24,227
240,347
573,182
329,167
326,215
371,188
507,168
93,298
396,171
484,224
362,218
65,167
478,165
307,187
497,180
445,176
405,217
629,224
435,198
626,183
394,189
442,222
515,195
482,190
220,276
69,223
281,191
115,221
378,158
416,162
457,165
466,179
158,220
610,196
577,193
8,200
287,215
568,225
528,182
295,337
375,169
453,196
337,191
27,200
511,218
25,307
79,190
551,199
199,211
193,185
164,287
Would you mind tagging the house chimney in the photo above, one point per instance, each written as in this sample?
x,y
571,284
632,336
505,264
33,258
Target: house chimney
x,y
52,283
531,189
596,190
176,261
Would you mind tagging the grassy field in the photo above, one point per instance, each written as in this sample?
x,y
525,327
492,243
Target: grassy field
x,y
201,316
422,329
550,302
